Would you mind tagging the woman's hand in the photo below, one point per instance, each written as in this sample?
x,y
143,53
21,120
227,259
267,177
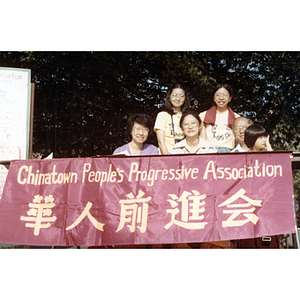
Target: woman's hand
x,y
269,147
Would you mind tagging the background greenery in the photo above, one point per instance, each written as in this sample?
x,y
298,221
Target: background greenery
x,y
83,99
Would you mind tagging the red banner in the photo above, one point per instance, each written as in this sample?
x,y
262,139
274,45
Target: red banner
x,y
147,200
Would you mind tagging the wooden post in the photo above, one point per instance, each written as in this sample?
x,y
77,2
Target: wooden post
x,y
30,154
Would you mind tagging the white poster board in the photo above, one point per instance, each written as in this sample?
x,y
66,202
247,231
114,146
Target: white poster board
x,y
15,92
3,175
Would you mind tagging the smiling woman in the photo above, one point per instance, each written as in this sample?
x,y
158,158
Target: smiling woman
x,y
166,126
193,143
191,125
138,128
219,119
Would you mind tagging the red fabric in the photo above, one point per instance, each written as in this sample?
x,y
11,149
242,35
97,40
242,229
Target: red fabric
x,y
180,198
210,116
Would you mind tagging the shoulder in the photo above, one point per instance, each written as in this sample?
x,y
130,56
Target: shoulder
x,y
209,148
236,115
122,150
202,114
178,148
205,143
180,144
161,120
151,149
163,114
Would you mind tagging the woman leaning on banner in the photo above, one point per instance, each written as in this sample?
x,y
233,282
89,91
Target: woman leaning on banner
x,y
139,127
257,140
166,126
191,125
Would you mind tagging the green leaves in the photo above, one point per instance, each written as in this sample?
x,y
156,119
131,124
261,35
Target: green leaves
x,y
82,99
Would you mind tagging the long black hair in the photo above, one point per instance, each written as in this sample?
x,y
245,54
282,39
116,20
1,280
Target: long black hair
x,y
168,105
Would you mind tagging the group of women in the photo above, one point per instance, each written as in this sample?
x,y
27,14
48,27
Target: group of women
x,y
181,130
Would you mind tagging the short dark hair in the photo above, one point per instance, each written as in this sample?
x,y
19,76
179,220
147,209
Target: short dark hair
x,y
141,119
168,104
222,85
252,133
189,112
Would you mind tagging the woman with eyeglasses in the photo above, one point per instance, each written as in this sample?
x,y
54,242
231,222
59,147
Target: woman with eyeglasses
x,y
191,125
138,128
218,120
166,126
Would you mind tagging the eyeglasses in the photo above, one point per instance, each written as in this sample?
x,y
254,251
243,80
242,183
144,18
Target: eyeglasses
x,y
222,94
138,129
179,96
192,124
240,128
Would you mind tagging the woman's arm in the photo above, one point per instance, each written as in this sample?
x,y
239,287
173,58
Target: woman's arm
x,y
160,134
203,127
203,132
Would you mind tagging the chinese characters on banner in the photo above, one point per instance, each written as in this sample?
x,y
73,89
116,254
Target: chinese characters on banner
x,y
147,200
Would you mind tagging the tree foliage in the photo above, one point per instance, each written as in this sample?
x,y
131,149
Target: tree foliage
x,y
83,99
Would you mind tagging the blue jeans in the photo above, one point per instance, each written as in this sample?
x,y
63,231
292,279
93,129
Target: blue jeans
x,y
223,149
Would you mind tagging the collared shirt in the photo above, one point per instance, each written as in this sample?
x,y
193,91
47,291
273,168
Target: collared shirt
x,y
238,148
203,147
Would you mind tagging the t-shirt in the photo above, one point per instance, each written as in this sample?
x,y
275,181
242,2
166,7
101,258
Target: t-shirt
x,y
147,149
164,122
219,134
203,147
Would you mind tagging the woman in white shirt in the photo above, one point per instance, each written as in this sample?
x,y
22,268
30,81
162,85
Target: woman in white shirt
x,y
218,120
191,125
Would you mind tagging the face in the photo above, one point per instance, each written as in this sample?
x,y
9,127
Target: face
x,y
139,133
190,126
239,129
177,97
222,98
260,144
